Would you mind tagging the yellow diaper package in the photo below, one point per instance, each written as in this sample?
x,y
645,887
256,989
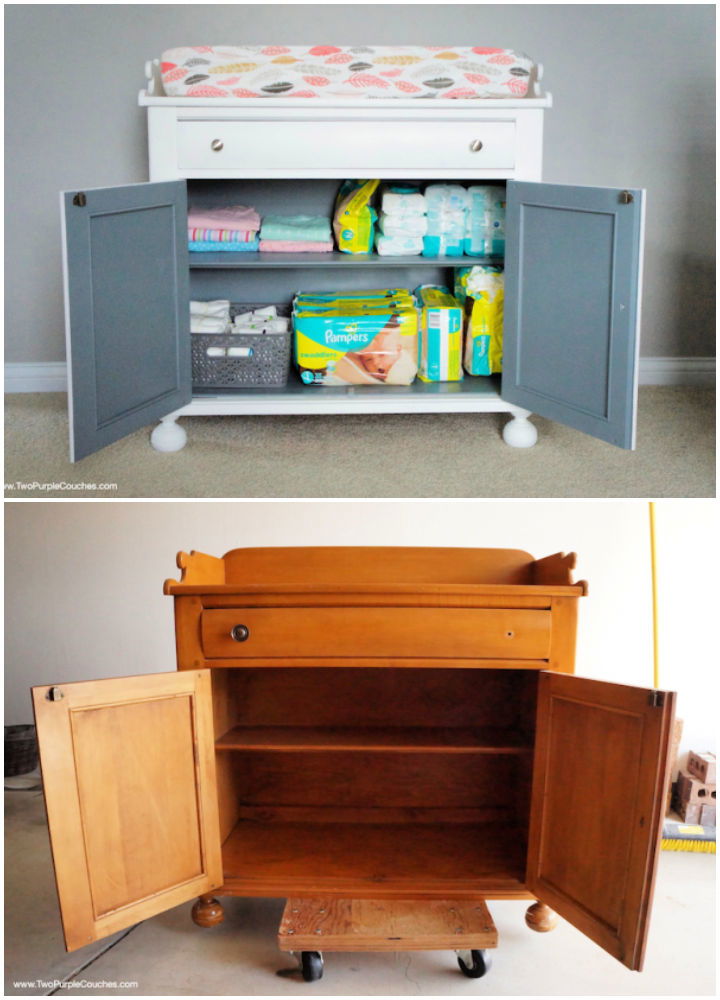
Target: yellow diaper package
x,y
441,335
354,219
356,341
484,287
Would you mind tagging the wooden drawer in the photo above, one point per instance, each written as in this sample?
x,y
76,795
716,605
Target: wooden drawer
x,y
441,633
356,147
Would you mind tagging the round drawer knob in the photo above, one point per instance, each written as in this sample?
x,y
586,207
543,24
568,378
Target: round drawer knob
x,y
216,145
476,145
239,633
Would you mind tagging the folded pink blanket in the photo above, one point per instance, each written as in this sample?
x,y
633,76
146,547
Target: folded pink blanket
x,y
229,217
295,246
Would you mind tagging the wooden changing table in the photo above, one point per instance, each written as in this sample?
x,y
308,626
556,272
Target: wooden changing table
x,y
572,263
395,725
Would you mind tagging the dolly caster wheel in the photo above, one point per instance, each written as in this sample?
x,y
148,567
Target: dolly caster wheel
x,y
311,963
474,964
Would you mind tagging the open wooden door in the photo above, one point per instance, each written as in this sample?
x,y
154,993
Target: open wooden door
x,y
128,769
127,314
599,790
573,274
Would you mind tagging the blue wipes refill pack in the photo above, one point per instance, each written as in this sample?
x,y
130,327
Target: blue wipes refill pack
x,y
356,338
441,335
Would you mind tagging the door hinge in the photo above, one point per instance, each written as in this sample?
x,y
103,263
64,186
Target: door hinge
x,y
80,199
657,699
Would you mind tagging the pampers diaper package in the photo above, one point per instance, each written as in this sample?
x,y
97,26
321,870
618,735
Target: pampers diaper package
x,y
358,338
441,335
483,287
354,219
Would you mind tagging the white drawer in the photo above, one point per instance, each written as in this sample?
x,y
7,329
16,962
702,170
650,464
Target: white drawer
x,y
358,147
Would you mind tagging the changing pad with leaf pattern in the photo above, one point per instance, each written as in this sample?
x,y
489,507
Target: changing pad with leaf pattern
x,y
344,71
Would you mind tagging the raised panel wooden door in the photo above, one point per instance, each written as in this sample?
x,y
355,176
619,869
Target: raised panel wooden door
x,y
573,268
129,776
127,311
598,799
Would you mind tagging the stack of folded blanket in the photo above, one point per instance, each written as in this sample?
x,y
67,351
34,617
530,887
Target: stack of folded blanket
x,y
234,227
210,317
447,208
296,233
402,223
263,320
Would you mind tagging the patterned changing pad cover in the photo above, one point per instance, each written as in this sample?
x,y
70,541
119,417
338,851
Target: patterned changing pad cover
x,y
344,71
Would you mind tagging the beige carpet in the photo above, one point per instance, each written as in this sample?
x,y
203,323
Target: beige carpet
x,y
422,455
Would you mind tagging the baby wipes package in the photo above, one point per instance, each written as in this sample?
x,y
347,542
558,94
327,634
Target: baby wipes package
x,y
356,338
485,235
441,334
483,287
354,219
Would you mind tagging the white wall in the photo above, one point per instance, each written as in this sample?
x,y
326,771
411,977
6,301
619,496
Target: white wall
x,y
84,579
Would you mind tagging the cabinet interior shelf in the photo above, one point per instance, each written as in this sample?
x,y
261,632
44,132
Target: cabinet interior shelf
x,y
397,858
402,739
471,387
258,258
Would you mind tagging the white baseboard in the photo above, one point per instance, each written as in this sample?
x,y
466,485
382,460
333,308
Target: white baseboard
x,y
36,376
51,376
677,371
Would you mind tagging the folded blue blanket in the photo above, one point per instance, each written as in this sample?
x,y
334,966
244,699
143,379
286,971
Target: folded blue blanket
x,y
308,228
203,246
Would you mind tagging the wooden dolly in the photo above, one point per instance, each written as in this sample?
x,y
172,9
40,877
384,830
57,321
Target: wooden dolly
x,y
310,927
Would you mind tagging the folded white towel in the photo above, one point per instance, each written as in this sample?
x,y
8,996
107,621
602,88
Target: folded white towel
x,y
207,324
400,204
388,246
414,224
218,309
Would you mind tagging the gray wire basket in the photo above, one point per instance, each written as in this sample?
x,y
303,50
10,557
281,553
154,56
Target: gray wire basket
x,y
21,752
265,361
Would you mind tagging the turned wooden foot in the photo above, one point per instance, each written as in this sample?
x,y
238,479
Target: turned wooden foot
x,y
540,917
207,912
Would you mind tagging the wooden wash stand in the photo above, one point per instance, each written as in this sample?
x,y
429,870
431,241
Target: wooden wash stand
x,y
386,737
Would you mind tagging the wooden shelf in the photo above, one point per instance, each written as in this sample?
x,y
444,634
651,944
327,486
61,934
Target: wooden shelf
x,y
402,739
377,859
333,259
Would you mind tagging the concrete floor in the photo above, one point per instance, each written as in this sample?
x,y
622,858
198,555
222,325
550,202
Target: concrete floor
x,y
168,955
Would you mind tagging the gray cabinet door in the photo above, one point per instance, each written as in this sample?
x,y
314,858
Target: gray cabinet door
x,y
572,297
126,308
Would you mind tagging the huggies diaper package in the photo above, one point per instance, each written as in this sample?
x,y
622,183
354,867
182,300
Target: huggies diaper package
x,y
441,334
484,288
354,219
345,338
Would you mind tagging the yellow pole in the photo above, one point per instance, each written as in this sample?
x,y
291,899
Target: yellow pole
x,y
653,563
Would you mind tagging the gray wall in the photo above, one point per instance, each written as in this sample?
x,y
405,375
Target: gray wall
x,y
633,88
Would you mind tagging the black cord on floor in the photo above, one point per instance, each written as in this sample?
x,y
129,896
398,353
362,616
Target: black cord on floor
x,y
72,975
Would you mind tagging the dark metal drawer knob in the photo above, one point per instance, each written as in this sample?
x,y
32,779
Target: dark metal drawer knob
x,y
239,633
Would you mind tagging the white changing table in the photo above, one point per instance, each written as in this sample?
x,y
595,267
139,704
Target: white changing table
x,y
572,262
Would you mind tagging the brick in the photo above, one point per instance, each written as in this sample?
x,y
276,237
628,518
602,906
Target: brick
x,y
702,766
707,815
692,789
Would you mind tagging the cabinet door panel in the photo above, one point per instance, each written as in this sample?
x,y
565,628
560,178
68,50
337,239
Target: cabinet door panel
x,y
127,309
572,292
129,777
599,789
